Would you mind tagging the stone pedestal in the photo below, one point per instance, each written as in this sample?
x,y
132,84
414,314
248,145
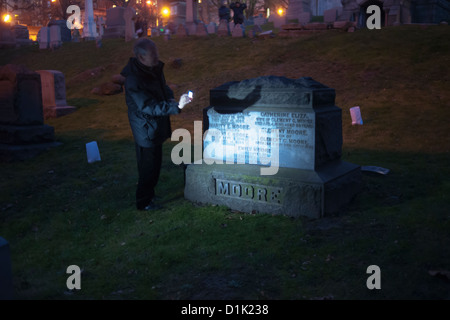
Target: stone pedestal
x,y
22,132
273,145
6,283
54,94
89,25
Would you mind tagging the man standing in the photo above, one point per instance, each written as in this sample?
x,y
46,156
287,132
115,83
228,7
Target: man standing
x,y
150,103
238,12
224,12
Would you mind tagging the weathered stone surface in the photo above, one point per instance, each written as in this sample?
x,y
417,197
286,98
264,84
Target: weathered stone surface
x,y
288,128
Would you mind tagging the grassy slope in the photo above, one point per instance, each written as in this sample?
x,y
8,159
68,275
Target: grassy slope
x,y
57,210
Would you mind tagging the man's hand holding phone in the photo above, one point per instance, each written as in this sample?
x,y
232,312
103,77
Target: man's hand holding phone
x,y
185,99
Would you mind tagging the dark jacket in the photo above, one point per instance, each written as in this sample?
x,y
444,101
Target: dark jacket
x,y
238,12
150,102
224,13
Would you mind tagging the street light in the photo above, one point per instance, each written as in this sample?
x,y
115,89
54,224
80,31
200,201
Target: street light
x,y
7,18
165,12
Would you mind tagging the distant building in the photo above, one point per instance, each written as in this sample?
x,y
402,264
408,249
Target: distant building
x,y
393,11
39,13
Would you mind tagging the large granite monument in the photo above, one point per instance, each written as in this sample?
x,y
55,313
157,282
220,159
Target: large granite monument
x,y
115,23
23,133
273,145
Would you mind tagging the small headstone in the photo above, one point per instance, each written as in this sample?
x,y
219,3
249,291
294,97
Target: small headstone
x,y
181,31
223,30
238,31
6,282
54,94
55,37
44,38
211,28
201,30
23,133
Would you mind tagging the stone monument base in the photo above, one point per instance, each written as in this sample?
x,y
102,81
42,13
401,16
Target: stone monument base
x,y
292,192
25,142
58,111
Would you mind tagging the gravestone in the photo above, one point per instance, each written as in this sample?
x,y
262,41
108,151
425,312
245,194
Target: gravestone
x,y
259,20
191,17
7,38
273,145
223,30
277,20
181,31
115,23
330,15
238,31
21,34
304,17
44,38
23,133
297,7
201,30
54,94
129,16
211,28
66,33
6,283
55,37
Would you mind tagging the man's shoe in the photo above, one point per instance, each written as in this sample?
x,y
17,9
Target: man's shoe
x,y
152,206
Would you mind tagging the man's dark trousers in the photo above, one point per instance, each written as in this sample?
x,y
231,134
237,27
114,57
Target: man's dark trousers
x,y
149,166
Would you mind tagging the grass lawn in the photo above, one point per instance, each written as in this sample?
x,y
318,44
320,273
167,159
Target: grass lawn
x,y
57,210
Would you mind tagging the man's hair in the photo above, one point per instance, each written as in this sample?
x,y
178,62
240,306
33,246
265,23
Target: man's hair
x,y
144,46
